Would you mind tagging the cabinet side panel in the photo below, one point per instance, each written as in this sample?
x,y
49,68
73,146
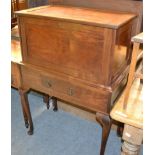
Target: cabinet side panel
x,y
122,50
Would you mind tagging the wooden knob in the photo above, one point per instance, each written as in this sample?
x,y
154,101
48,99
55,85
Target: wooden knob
x,y
47,83
71,92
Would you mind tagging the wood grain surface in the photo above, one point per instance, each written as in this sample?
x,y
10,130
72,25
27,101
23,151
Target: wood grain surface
x,y
133,115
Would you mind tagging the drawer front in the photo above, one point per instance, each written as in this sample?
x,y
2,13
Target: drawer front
x,y
74,49
75,93
14,75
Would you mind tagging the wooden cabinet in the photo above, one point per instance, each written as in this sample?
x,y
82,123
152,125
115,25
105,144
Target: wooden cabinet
x,y
87,45
77,54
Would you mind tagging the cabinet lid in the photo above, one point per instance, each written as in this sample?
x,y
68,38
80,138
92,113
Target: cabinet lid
x,y
103,18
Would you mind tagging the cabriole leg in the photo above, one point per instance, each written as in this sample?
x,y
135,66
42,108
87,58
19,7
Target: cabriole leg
x,y
105,122
25,117
46,100
54,102
26,109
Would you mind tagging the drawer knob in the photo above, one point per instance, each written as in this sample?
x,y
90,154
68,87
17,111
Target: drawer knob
x,y
47,83
71,92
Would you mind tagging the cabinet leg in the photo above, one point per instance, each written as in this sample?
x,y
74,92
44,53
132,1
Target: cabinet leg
x,y
46,100
26,110
54,102
25,116
105,122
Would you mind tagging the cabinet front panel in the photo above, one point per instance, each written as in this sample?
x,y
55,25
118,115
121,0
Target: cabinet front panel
x,y
70,48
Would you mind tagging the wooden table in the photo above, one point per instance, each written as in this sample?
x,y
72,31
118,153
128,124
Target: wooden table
x,y
132,117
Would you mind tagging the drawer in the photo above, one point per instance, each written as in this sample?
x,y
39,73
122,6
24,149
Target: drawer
x,y
15,75
77,94
72,91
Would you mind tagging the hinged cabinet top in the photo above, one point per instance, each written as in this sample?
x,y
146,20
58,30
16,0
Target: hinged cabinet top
x,y
109,19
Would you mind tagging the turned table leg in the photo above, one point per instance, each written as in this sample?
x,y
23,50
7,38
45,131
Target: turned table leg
x,y
46,100
105,122
132,137
26,110
54,102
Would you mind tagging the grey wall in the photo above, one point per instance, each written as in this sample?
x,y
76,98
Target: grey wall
x,y
35,3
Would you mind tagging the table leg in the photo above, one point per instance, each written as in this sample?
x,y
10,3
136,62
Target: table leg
x,y
24,115
54,102
132,137
26,110
46,100
105,122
